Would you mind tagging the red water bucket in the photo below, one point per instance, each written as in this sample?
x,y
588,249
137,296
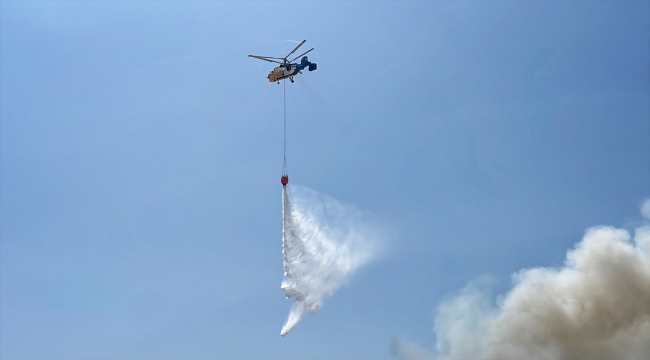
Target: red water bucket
x,y
284,179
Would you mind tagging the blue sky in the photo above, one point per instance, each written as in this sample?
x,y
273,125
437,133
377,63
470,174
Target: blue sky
x,y
141,150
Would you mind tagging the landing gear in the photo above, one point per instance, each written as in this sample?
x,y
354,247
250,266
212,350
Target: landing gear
x,y
291,78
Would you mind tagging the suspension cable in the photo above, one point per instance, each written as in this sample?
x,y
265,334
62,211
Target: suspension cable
x,y
284,167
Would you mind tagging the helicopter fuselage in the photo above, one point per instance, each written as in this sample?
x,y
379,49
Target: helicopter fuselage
x,y
289,70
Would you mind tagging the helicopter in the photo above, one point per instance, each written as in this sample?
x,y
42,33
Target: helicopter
x,y
287,68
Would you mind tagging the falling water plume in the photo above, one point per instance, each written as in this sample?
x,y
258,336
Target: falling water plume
x,y
324,241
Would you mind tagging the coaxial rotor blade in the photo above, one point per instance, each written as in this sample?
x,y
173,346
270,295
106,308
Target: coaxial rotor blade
x,y
266,58
294,50
303,54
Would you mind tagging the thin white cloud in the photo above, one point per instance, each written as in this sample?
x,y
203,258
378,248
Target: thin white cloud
x,y
645,209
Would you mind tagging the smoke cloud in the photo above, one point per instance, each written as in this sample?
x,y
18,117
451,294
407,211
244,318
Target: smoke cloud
x,y
597,306
324,241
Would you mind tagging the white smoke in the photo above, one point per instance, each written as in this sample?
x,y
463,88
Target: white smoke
x,y
595,307
324,241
